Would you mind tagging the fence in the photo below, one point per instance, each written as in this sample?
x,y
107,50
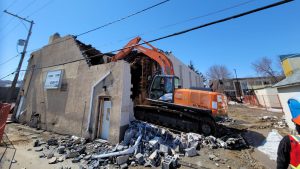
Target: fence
x,y
4,110
267,101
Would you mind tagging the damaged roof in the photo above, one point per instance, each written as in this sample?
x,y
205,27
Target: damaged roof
x,y
294,79
91,54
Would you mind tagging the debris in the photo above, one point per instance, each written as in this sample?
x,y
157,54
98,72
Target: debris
x,y
61,159
87,157
190,152
36,143
76,160
154,155
213,157
169,162
72,154
50,155
164,148
52,142
139,158
268,118
122,159
38,149
124,166
61,149
52,160
13,161
143,144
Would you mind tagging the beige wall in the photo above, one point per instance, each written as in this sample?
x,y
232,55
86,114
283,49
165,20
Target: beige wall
x,y
188,77
268,97
285,94
63,110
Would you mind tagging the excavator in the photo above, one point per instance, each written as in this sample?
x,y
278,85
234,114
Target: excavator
x,y
167,103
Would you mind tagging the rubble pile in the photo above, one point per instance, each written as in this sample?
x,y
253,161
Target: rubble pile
x,y
275,121
143,144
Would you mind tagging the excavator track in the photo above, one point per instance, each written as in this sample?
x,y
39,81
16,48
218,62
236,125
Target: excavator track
x,y
178,117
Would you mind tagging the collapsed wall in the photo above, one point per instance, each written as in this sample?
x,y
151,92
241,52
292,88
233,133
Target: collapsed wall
x,y
87,101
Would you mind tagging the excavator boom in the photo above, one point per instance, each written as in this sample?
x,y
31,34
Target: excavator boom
x,y
159,56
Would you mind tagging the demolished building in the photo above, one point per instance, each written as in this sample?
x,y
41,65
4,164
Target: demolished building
x,y
70,88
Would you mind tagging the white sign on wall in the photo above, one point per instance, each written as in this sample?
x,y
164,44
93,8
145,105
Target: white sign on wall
x,y
53,79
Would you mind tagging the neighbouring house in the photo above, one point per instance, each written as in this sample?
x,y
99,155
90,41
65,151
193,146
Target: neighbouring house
x,y
5,87
70,88
236,87
290,86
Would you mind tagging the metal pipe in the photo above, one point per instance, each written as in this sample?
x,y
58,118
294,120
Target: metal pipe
x,y
130,150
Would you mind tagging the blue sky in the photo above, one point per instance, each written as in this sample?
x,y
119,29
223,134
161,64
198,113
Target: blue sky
x,y
235,43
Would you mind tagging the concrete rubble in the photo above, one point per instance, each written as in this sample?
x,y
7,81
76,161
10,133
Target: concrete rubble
x,y
275,121
143,144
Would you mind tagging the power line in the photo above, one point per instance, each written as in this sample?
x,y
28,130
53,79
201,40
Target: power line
x,y
22,10
178,33
8,75
128,16
9,60
28,5
110,23
186,20
39,9
10,5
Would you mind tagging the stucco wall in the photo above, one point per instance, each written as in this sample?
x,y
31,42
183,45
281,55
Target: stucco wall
x,y
64,110
188,77
285,94
268,97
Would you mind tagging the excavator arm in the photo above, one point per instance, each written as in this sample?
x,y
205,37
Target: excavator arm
x,y
164,62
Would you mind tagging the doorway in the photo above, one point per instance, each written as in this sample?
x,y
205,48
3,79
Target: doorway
x,y
104,118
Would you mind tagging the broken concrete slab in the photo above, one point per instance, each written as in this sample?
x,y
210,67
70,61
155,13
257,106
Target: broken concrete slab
x,y
61,149
38,149
139,158
72,154
190,152
52,160
164,148
122,159
61,159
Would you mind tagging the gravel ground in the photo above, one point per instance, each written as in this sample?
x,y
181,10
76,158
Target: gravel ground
x,y
246,120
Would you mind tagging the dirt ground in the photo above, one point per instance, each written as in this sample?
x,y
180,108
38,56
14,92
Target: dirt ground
x,y
17,150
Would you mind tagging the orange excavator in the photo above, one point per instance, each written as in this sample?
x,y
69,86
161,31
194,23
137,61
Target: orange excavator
x,y
167,103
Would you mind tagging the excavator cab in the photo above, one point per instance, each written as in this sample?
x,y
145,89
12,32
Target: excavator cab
x,y
163,86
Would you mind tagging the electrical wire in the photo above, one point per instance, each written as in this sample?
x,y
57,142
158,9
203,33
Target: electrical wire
x,y
126,17
9,60
10,5
39,9
27,6
8,75
179,33
22,10
109,23
183,21
176,33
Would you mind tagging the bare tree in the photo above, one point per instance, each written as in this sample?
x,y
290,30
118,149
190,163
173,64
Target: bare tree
x,y
218,72
193,68
264,67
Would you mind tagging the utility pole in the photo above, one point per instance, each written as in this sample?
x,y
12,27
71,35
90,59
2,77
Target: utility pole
x,y
239,85
14,82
